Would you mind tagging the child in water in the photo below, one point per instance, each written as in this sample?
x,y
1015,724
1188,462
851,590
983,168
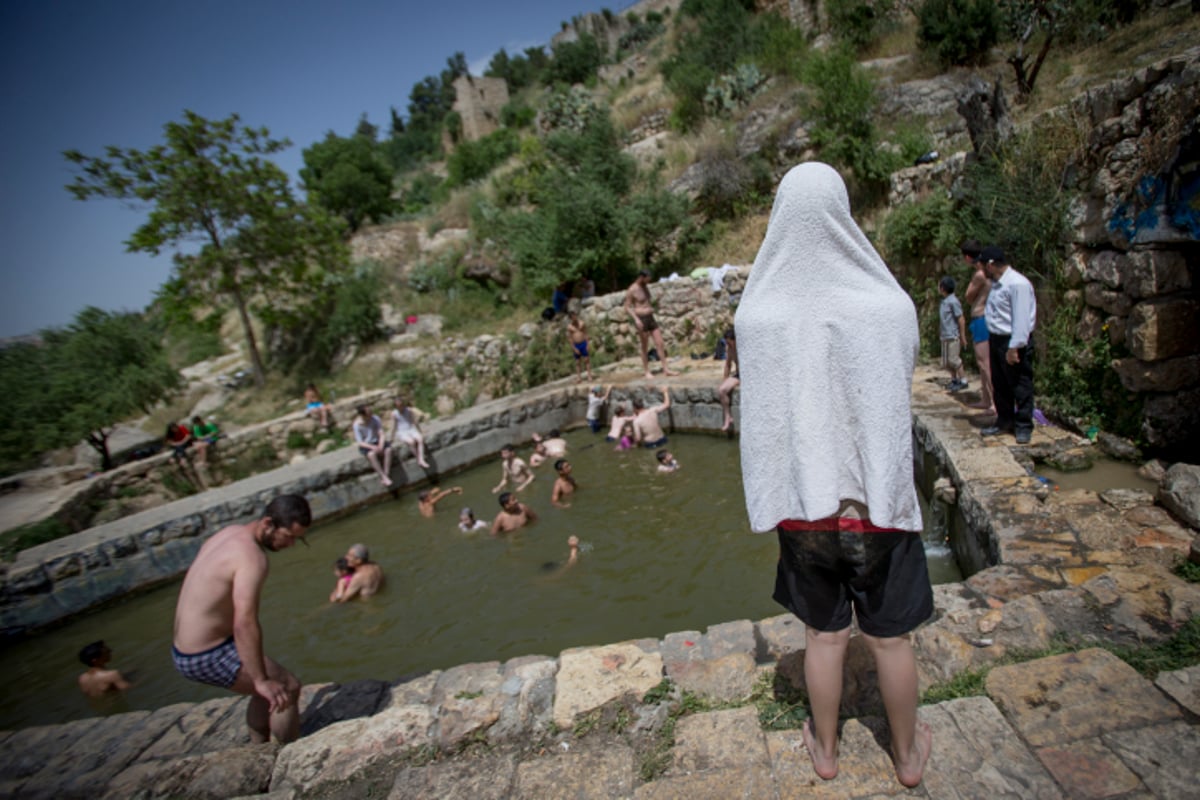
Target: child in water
x,y
628,440
666,461
467,521
344,573
98,681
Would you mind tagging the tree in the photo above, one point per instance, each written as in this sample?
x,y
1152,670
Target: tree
x,y
80,382
238,232
349,177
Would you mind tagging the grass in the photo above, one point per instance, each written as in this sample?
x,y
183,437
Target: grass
x,y
736,241
15,540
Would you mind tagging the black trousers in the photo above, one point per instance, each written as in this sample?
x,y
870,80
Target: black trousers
x,y
1012,384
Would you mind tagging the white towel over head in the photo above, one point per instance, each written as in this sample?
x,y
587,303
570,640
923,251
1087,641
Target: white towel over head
x,y
827,342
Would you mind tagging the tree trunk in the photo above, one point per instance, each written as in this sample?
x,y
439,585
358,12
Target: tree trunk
x,y
99,442
255,360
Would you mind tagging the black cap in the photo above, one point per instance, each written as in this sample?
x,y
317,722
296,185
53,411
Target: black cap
x,y
993,254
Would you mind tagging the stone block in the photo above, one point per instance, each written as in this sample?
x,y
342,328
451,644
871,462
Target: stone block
x,y
194,723
1150,273
1170,375
216,775
486,778
1164,328
1088,769
527,698
1106,268
778,636
600,772
1171,421
344,749
977,753
719,740
1076,696
468,700
1182,686
864,767
1179,492
1163,756
591,677
1109,301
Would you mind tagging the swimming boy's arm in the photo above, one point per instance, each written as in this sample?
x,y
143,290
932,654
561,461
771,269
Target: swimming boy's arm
x,y
113,679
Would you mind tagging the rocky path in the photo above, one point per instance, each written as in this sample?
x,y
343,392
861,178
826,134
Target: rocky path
x,y
694,714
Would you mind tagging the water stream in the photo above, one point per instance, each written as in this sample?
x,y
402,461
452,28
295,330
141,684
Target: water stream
x,y
661,553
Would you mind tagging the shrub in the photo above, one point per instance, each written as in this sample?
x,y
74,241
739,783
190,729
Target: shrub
x,y
577,61
517,115
420,385
732,90
471,161
920,232
570,109
859,22
958,32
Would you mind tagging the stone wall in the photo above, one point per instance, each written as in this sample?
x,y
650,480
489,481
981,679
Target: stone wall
x,y
478,102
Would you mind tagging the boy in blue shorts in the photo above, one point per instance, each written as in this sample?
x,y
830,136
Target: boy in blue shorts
x,y
577,333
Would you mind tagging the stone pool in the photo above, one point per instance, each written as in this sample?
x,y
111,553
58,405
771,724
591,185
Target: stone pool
x,y
661,553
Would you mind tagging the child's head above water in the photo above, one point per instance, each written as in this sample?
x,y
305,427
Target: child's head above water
x,y
342,568
466,515
95,654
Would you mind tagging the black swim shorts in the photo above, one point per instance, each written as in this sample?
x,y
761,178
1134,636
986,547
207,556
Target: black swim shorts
x,y
883,577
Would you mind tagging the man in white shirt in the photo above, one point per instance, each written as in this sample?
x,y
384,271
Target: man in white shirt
x,y
1011,314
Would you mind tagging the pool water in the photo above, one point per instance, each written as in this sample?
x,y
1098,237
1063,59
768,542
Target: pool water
x,y
660,553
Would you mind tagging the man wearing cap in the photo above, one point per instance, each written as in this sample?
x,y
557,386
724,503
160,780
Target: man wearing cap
x,y
1011,314
218,639
368,576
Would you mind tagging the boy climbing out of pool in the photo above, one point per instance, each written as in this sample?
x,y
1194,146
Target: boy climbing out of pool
x,y
564,484
98,680
577,333
513,515
345,574
514,469
428,499
218,639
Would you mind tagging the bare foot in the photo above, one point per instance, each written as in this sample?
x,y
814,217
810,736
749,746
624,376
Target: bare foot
x,y
669,373
826,767
725,427
424,464
649,375
385,480
911,770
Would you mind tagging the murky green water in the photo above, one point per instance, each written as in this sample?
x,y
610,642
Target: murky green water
x,y
661,553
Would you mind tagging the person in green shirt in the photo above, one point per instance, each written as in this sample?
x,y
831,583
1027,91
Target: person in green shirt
x,y
204,436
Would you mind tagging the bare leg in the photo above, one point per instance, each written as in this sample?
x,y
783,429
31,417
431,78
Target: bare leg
x,y
587,363
824,656
662,352
285,722
897,667
420,440
373,460
984,358
725,394
644,339
387,466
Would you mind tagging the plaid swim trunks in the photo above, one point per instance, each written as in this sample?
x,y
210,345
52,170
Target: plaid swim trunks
x,y
217,666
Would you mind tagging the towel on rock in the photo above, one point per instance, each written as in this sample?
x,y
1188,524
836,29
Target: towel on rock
x,y
827,342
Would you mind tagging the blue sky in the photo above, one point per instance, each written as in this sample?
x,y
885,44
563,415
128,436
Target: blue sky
x,y
81,74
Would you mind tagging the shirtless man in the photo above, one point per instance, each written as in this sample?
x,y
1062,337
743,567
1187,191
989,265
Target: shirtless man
x,y
620,416
564,484
513,515
368,576
638,304
731,380
99,680
513,468
976,295
645,421
218,639
556,446
428,499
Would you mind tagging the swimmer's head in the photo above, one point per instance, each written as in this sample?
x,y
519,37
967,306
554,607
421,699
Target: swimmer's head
x,y
506,499
507,451
423,495
663,456
466,515
359,553
342,567
562,466
95,653
554,433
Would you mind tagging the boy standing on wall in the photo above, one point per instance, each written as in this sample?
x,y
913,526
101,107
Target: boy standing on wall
x,y
577,333
953,334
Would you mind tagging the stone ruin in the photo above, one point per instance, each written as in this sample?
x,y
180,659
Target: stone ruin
x,y
478,102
